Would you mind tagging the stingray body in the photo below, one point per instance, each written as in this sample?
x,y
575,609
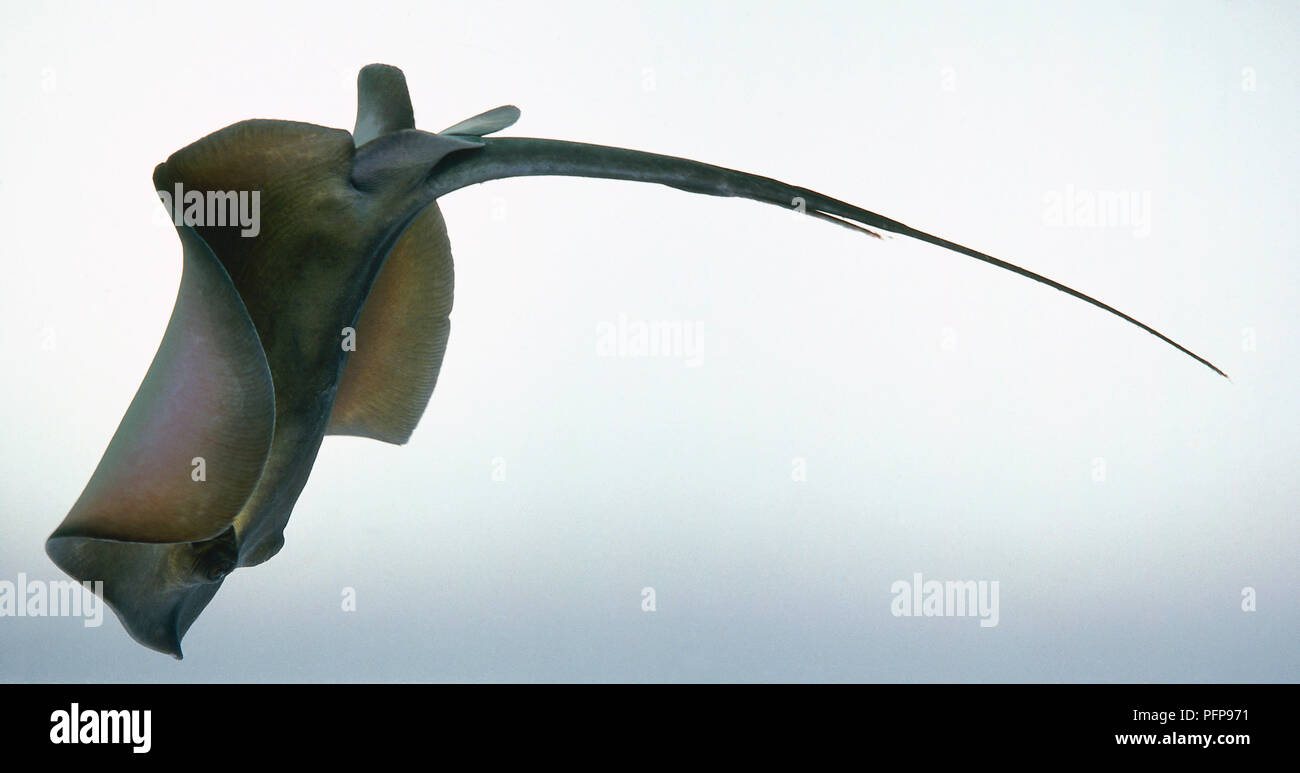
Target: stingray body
x,y
204,470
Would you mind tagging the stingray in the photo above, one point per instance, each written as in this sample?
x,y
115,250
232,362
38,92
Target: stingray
x,y
254,368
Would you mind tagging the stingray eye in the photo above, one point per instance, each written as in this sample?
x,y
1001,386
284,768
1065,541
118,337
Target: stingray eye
x,y
215,572
217,557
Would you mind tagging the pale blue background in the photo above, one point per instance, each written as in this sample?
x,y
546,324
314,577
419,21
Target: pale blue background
x,y
973,462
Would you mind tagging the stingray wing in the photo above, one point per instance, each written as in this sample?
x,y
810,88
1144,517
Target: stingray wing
x,y
401,337
185,458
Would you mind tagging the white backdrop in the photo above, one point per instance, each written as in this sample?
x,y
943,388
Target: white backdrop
x,y
952,419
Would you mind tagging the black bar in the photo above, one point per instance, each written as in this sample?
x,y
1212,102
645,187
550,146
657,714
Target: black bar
x,y
871,721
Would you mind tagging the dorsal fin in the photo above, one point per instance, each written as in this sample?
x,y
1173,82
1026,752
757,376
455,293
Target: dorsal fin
x,y
383,103
494,120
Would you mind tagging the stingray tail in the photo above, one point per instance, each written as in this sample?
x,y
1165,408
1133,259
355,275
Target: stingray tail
x,y
503,157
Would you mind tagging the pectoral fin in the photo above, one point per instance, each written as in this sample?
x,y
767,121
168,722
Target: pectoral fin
x,y
154,522
401,337
193,441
